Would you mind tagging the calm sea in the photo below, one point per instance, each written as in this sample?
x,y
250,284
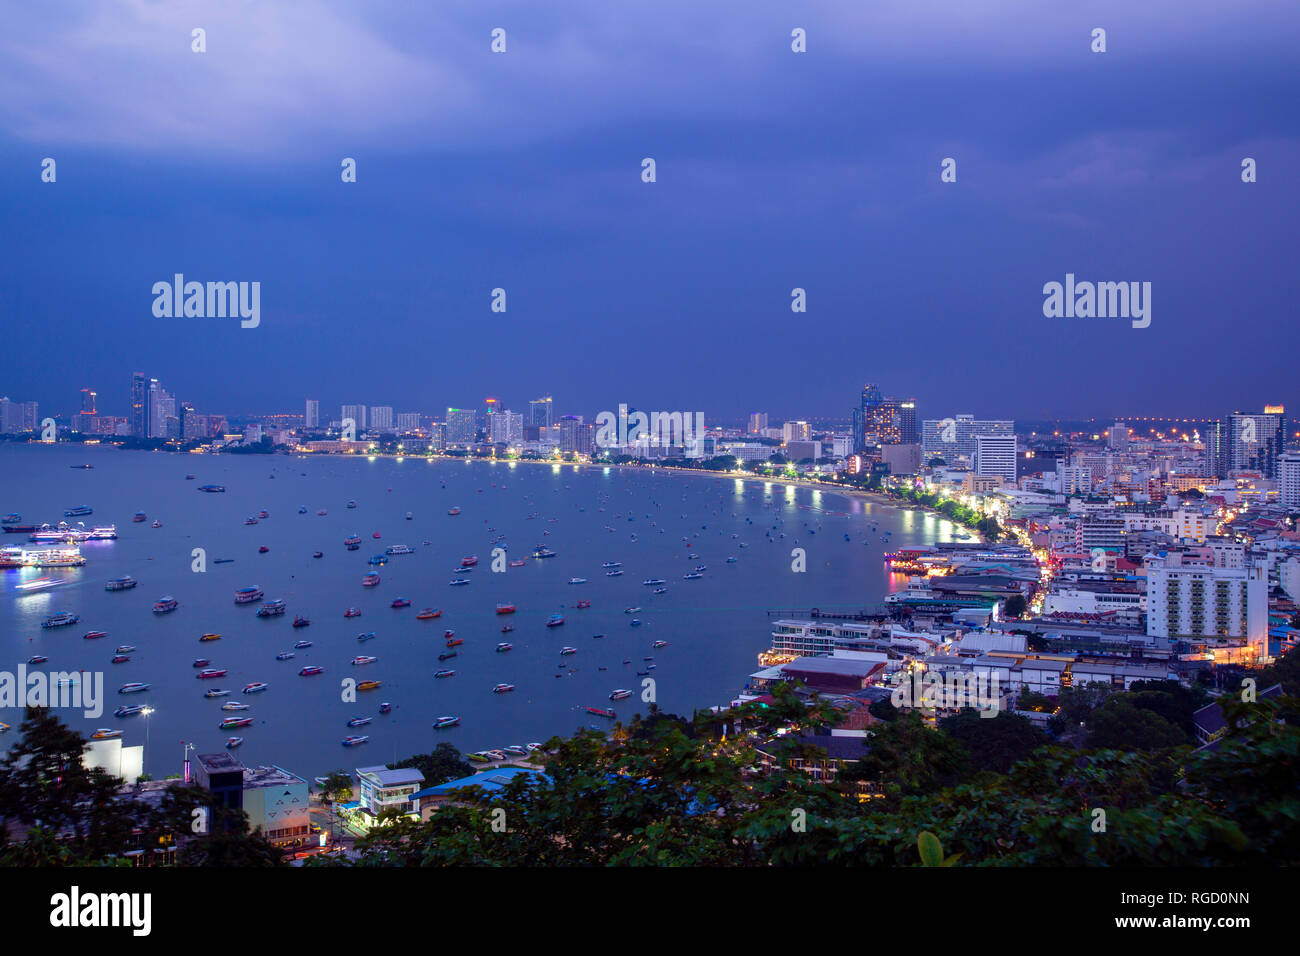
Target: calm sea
x,y
659,524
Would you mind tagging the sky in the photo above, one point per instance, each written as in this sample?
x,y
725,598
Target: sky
x,y
775,170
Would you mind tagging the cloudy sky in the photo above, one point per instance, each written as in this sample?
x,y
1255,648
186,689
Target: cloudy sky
x,y
775,170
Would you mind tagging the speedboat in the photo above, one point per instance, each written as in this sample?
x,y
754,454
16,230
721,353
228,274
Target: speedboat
x,y
533,747
400,602
318,554
156,523
652,582
564,651
518,563
506,629
661,590
503,688
636,622
302,510
139,516
301,644
95,635
458,581
446,655
428,614
235,722
37,659
250,520
367,636
444,673
577,580
255,687
620,695
129,710
453,511
354,741
692,576
202,662
359,721
210,673
352,612
612,564
105,733
370,580
364,659
263,549
134,687
469,562
284,656
210,637
555,620
218,692
120,659
352,504
503,647
583,604
505,609
385,707
446,722
660,644
631,610
515,750
234,742
613,574
300,621
311,670
234,705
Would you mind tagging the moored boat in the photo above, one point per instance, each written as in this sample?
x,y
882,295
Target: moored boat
x,y
248,595
61,619
503,688
620,695
135,687
120,584
446,722
233,743
255,687
354,741
211,672
370,685
311,670
428,614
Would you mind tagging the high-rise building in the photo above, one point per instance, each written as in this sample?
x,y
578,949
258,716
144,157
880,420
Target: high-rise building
x,y
953,438
358,415
1255,441
995,457
1117,436
507,427
139,405
1288,479
462,426
381,418
408,421
795,431
490,407
312,417
757,422
18,417
884,421
161,407
1198,601
540,412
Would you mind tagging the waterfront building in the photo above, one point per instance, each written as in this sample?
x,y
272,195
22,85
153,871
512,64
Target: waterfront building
x,y
311,419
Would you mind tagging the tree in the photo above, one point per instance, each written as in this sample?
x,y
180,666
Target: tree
x,y
1015,606
443,764
994,743
1120,725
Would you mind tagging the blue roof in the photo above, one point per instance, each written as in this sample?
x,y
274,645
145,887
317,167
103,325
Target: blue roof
x,y
489,780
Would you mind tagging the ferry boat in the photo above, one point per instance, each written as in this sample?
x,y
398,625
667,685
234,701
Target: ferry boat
x,y
555,620
503,688
248,595
302,644
271,609
212,489
285,656
505,609
124,649
256,687
504,646
17,557
398,549
300,621
518,563
217,692
352,539
139,516
368,636
400,602
354,741
95,635
446,655
352,612
129,710
370,685
428,614
446,722
653,582
210,637
456,582
234,742
370,580
359,721
37,659
599,712
121,584
230,722
311,670
234,705
364,659
78,510
105,733
444,673
453,511
211,673
659,644
135,687
469,562
63,532
61,619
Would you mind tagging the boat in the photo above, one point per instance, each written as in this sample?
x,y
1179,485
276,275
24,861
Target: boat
x,y
352,612
78,510
271,609
505,609
444,673
692,576
359,721
234,742
577,580
235,722
248,595
352,539
135,687
503,688
555,620
731,560
659,644
370,685
613,574
300,621
533,747
370,580
129,710
583,604
515,750
368,636
620,695
364,659
446,722
212,489
322,513
653,582
302,644
124,649
453,511
478,757
378,560
565,651
318,554
631,610
503,647
234,705
519,563
105,733
385,707
190,477
217,692
455,582
139,516
599,712
469,562
263,549
661,590
506,629
612,564
399,549
121,584
120,659
250,520
210,637
18,528
95,635
596,637
311,670
375,535
400,602
264,514
12,518
223,560
449,634
446,655
352,504
302,510
255,687
61,619
428,614
409,516
541,552
458,569
354,741
201,662
65,557
37,659
156,523
211,672
635,622
285,656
